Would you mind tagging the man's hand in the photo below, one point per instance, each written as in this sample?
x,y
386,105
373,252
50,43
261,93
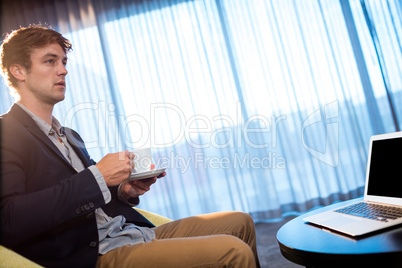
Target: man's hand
x,y
135,188
116,167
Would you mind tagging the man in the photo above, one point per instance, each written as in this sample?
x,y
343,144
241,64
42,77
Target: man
x,y
61,209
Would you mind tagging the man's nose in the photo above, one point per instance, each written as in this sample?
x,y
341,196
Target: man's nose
x,y
62,70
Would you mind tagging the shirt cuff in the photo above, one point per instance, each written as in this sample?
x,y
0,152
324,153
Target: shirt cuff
x,y
102,183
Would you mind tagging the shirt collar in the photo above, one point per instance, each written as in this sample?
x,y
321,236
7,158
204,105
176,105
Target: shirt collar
x,y
56,126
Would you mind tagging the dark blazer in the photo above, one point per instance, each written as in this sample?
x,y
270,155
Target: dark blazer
x,y
47,208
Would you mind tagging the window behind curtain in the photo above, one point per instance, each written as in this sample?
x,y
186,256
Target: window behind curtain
x,y
256,106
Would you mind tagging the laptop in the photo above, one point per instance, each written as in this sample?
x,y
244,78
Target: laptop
x,y
383,190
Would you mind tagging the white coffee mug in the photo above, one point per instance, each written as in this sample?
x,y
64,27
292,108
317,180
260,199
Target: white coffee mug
x,y
142,160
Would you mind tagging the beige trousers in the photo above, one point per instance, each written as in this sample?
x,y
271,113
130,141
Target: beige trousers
x,y
223,239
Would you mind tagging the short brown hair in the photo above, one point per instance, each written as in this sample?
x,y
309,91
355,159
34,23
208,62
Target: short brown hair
x,y
18,45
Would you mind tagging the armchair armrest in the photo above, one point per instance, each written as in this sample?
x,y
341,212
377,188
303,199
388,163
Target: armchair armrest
x,y
155,219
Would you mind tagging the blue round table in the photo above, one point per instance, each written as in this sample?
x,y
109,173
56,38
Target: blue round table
x,y
312,246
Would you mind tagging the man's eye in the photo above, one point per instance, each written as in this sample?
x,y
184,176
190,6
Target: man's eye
x,y
50,61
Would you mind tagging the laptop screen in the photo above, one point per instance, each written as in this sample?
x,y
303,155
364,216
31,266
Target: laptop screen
x,y
385,177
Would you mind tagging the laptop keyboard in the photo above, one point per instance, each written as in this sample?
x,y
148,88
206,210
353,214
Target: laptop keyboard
x,y
372,211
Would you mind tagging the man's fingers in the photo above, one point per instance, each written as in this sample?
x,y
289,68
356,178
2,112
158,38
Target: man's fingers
x,y
162,175
140,188
130,157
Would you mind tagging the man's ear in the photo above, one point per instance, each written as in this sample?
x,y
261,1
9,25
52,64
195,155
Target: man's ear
x,y
18,71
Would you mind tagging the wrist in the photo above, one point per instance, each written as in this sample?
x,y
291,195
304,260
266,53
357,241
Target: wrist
x,y
125,197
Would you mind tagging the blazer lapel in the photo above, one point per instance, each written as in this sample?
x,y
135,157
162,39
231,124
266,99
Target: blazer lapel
x,y
78,145
73,138
19,114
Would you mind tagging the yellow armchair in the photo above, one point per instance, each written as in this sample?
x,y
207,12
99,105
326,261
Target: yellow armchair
x,y
10,259
155,219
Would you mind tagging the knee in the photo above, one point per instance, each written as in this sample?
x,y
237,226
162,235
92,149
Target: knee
x,y
243,217
238,253
239,217
243,221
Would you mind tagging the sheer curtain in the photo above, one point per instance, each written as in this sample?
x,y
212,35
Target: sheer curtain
x,y
260,106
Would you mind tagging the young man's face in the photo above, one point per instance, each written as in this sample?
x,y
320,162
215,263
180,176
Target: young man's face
x,y
45,80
